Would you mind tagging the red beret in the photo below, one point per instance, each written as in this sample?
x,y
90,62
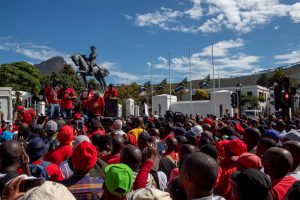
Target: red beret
x,y
238,128
65,135
248,160
77,116
237,147
209,121
84,156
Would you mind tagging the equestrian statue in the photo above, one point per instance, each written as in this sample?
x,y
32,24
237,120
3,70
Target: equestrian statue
x,y
88,67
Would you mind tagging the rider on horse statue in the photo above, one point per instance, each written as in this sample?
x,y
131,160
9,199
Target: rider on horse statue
x,y
91,61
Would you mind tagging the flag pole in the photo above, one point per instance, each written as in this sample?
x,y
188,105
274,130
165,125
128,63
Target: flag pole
x,y
170,77
214,84
151,83
219,76
191,87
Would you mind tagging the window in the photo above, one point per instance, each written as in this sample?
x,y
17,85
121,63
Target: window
x,y
249,93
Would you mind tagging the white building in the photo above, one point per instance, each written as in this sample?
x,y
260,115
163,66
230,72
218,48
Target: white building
x,y
6,103
250,90
218,106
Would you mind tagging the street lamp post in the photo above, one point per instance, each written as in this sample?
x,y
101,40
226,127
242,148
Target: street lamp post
x,y
238,90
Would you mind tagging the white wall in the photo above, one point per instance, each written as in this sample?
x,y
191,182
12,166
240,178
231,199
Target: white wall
x,y
161,103
223,99
129,107
6,102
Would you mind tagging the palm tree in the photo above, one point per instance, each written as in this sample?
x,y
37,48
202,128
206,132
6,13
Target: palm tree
x,y
278,75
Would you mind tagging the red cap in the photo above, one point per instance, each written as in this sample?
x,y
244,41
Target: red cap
x,y
84,156
77,116
238,128
65,135
237,147
20,107
209,121
220,146
248,160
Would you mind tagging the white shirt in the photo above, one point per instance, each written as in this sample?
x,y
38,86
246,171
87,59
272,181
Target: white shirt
x,y
211,198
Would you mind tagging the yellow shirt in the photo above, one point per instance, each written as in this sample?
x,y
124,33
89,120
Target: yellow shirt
x,y
136,132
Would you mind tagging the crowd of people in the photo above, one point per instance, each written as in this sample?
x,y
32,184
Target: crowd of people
x,y
149,157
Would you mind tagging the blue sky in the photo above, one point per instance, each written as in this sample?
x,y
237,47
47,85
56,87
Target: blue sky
x,y
248,35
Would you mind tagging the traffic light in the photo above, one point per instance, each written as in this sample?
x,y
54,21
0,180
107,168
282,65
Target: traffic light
x,y
234,100
286,99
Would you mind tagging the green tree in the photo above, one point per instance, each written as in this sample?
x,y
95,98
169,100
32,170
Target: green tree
x,y
252,100
200,94
68,75
21,76
263,80
129,91
278,75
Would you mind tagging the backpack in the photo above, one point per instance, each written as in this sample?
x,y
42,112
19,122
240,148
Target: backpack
x,y
39,171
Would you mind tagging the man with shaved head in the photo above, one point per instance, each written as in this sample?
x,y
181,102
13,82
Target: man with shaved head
x,y
277,163
251,138
132,156
10,156
114,156
198,176
294,148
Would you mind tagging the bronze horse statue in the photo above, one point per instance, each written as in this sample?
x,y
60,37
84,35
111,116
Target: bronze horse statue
x,y
85,69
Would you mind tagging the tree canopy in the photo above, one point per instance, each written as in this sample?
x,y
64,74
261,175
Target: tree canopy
x,y
21,76
201,94
68,75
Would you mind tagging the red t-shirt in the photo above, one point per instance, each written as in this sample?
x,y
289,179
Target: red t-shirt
x,y
111,158
110,92
85,97
224,186
53,171
51,94
96,106
280,187
64,95
59,155
26,116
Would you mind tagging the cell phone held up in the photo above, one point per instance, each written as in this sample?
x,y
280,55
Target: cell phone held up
x,y
79,125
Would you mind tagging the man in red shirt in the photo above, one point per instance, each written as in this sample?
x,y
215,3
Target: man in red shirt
x,y
52,101
117,146
36,149
66,96
232,148
171,151
96,106
96,128
64,151
277,162
85,96
111,92
26,116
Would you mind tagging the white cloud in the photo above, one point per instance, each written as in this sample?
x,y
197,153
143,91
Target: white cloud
x,y
196,11
160,18
241,16
128,17
221,48
30,50
276,27
288,58
201,64
295,12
